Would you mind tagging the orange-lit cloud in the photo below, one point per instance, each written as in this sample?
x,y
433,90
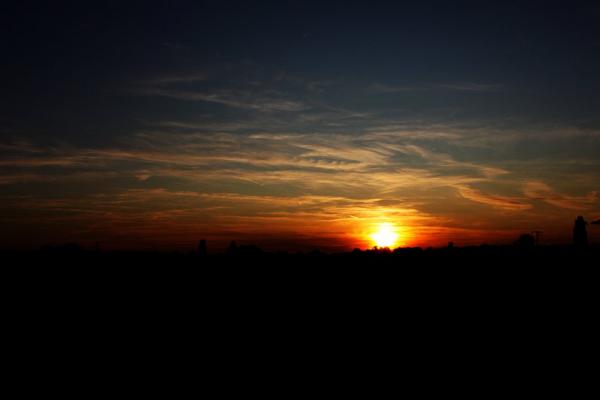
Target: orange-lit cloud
x,y
274,187
541,191
507,203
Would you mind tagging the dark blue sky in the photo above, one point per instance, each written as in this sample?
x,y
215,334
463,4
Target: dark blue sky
x,y
81,61
98,97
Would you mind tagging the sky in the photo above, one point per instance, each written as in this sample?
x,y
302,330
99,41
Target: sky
x,y
297,124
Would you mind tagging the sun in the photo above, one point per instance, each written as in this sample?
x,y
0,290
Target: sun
x,y
385,235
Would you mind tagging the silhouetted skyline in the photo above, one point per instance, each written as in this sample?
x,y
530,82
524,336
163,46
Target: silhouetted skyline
x,y
294,125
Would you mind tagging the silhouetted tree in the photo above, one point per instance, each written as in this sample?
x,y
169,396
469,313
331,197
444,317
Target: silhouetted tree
x,y
202,248
248,251
232,249
580,238
525,241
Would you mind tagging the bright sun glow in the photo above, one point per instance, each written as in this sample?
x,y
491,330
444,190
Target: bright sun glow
x,y
385,236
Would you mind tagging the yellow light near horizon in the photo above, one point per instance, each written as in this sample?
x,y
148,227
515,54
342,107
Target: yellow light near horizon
x,y
385,235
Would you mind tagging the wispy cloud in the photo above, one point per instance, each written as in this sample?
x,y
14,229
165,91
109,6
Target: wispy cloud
x,y
382,88
503,202
185,177
318,162
385,88
245,94
540,191
178,78
238,99
472,86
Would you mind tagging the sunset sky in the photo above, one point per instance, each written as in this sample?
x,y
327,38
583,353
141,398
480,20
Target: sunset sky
x,y
297,124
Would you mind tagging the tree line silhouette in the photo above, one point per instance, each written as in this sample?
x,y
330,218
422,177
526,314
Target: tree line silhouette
x,y
527,247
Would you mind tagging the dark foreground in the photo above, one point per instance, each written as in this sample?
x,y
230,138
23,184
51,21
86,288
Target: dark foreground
x,y
505,271
487,283
483,256
488,296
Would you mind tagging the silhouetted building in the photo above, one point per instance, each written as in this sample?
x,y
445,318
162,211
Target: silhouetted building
x,y
202,248
580,238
